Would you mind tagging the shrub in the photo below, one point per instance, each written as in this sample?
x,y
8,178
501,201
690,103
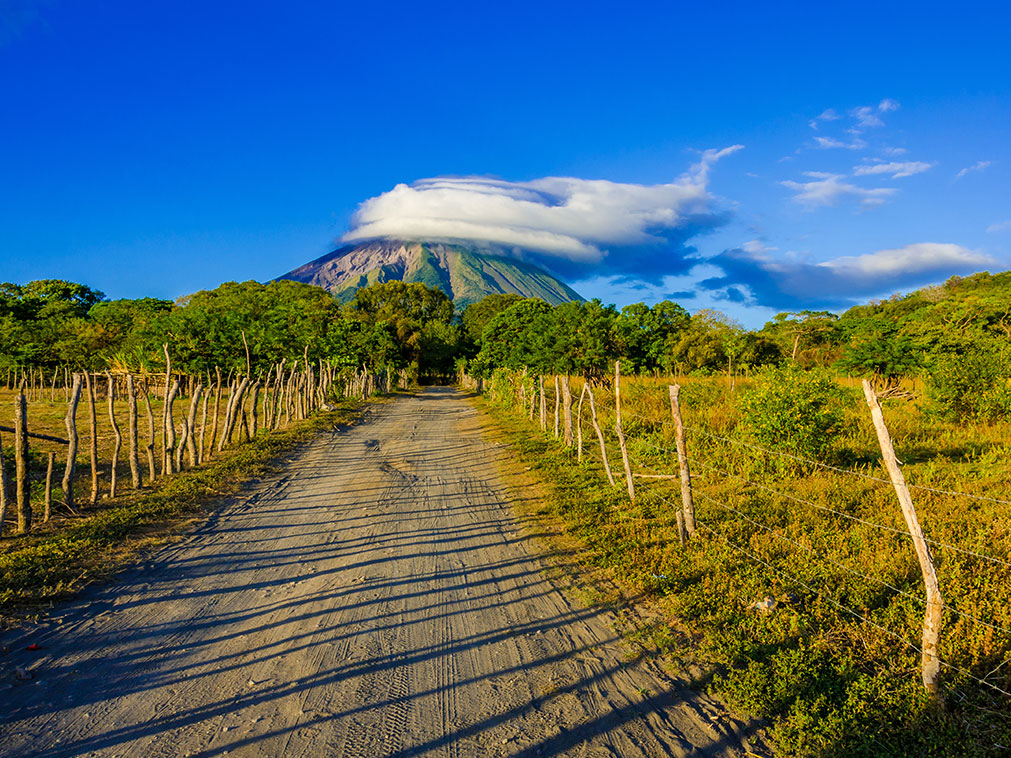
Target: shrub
x,y
975,384
792,410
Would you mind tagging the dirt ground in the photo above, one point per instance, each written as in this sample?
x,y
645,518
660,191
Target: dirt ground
x,y
377,599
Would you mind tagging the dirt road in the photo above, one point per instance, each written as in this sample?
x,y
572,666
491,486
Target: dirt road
x,y
376,600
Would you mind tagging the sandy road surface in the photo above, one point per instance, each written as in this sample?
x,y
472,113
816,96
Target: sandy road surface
x,y
376,600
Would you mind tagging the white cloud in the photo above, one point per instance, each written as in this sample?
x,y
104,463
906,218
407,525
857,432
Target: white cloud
x,y
826,115
977,166
569,218
1000,226
785,283
828,189
888,105
827,143
896,169
866,116
894,151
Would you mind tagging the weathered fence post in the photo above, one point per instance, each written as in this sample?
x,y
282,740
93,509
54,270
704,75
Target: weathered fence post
x,y
203,422
253,417
620,433
118,445
544,403
558,402
600,437
70,421
191,426
930,664
687,506
579,426
3,481
169,430
92,436
47,502
217,410
566,411
23,486
151,432
132,457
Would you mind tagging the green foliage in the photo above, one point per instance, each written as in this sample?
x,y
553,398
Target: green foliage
x,y
973,384
795,411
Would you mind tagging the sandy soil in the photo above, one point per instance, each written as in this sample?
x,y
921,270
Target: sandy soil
x,y
378,599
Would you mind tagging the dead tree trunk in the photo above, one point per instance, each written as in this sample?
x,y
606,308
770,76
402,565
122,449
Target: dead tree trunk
x,y
131,400
118,445
92,436
23,485
71,423
600,437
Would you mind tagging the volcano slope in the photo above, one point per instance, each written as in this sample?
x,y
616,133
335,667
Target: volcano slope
x,y
378,598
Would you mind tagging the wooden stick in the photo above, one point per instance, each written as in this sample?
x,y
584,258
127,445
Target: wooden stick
x,y
600,437
70,421
558,403
253,417
151,433
687,504
23,485
191,426
544,404
167,426
203,426
620,433
35,435
579,426
47,511
115,430
3,480
92,436
930,664
131,399
169,431
566,411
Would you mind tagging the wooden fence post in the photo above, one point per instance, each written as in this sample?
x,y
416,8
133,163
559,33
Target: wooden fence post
x,y
3,481
558,402
167,427
930,664
687,506
191,426
169,431
151,433
544,403
70,421
600,437
203,422
131,454
217,410
115,430
23,486
566,411
47,511
620,433
579,426
92,436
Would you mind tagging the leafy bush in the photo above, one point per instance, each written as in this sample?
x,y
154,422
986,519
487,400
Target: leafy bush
x,y
792,410
975,384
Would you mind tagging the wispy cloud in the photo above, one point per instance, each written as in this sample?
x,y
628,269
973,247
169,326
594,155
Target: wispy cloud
x,y
566,219
894,168
841,281
975,167
887,105
826,115
1000,226
829,189
828,143
866,117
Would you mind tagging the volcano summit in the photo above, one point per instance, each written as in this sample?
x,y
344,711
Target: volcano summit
x,y
464,272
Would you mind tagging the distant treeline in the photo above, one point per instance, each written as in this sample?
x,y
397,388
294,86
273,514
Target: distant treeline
x,y
955,335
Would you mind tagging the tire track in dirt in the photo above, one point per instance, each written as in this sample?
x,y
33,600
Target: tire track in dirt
x,y
377,599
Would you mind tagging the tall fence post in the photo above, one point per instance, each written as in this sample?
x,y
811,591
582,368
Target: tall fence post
x,y
3,483
71,423
600,437
620,433
566,411
930,664
23,487
687,506
92,436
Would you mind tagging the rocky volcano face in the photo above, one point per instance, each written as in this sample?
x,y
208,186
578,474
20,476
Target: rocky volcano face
x,y
462,272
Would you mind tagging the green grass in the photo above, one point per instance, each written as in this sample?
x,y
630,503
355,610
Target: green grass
x,y
58,559
830,683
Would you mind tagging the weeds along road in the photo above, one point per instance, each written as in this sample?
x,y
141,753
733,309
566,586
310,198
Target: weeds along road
x,y
378,599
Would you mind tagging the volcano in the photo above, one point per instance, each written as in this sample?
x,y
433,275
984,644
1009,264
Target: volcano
x,y
464,272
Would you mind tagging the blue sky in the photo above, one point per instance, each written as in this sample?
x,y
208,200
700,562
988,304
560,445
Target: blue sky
x,y
159,148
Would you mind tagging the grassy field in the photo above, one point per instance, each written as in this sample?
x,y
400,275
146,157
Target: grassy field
x,y
830,665
93,541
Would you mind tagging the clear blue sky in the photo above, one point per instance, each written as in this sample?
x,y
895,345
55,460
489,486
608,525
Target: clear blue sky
x,y
157,148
